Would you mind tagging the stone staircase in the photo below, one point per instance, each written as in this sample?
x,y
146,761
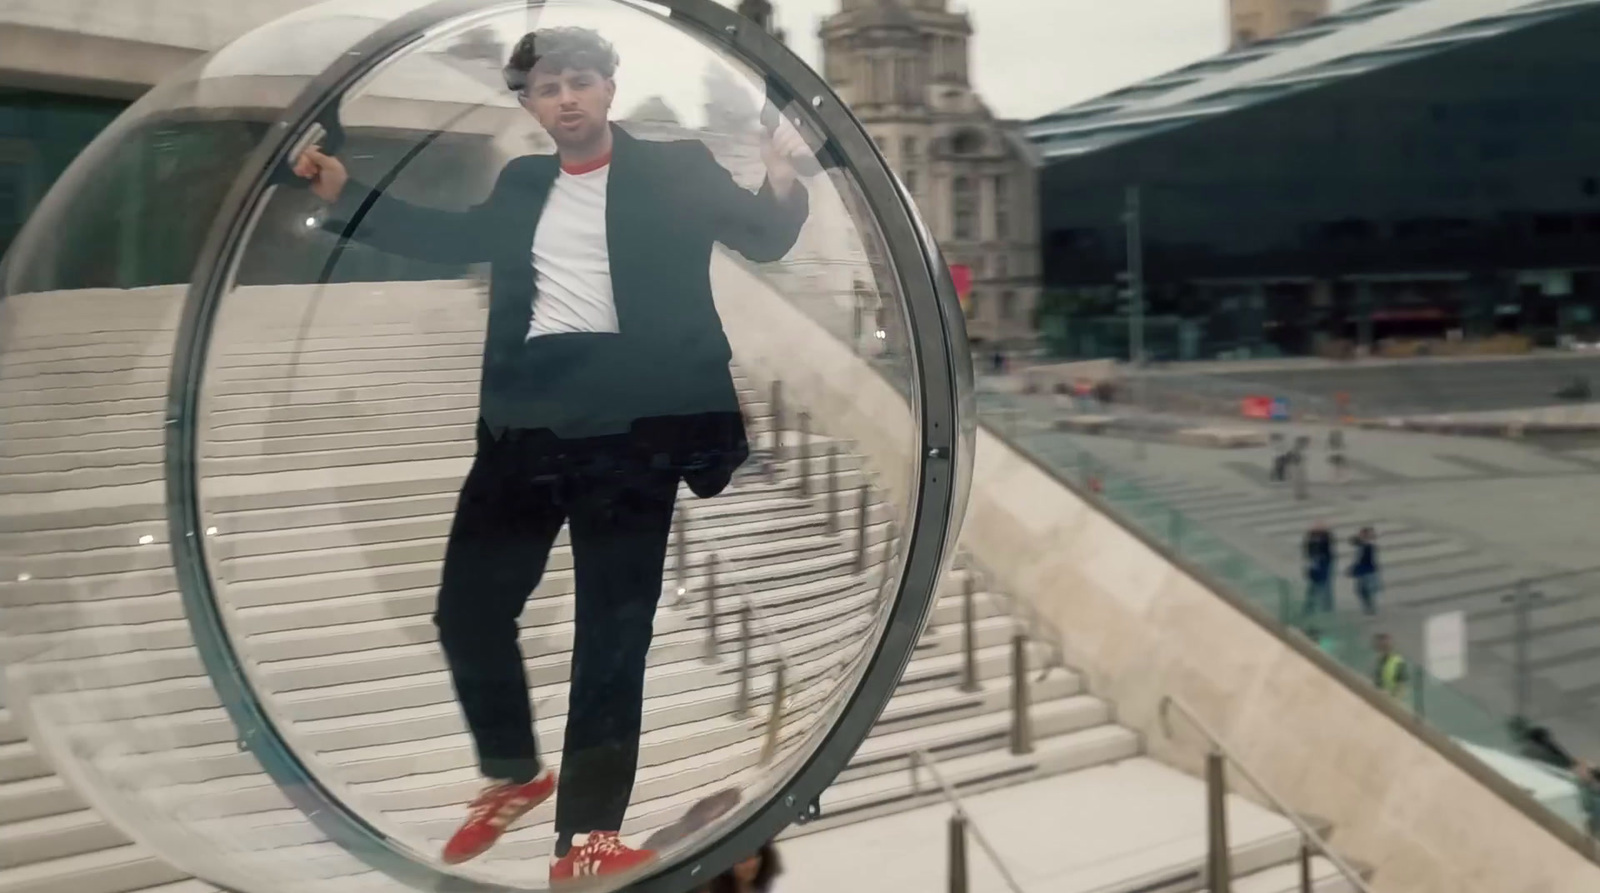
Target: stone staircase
x,y
328,479
337,429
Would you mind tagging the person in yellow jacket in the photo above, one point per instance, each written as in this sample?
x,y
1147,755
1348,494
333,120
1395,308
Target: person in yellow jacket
x,y
1391,673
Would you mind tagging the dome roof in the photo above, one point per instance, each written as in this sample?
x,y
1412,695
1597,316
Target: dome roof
x,y
885,13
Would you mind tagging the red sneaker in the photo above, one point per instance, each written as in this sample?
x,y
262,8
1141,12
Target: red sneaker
x,y
601,855
492,812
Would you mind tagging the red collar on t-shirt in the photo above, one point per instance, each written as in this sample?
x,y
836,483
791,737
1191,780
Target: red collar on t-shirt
x,y
587,167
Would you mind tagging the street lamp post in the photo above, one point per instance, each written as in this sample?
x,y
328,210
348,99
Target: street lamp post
x,y
1132,219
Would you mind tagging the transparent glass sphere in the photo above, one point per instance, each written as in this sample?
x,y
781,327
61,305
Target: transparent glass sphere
x,y
413,397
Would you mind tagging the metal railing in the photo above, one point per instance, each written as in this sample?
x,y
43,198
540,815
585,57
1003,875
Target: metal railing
x,y
1021,728
1022,612
718,585
751,622
1219,875
961,827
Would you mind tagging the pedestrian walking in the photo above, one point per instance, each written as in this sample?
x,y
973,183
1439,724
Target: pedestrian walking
x,y
1391,673
1364,569
1336,457
1320,555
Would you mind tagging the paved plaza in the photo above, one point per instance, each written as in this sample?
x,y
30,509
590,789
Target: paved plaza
x,y
1461,521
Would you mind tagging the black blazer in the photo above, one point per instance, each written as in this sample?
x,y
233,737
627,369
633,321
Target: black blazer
x,y
664,375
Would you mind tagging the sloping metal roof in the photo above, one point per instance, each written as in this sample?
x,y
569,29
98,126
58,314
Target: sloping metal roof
x,y
1356,40
189,24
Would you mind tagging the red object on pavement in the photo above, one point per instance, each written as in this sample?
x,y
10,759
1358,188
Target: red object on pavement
x,y
493,812
1256,407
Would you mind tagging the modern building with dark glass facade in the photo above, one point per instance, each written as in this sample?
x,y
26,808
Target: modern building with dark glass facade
x,y
1400,177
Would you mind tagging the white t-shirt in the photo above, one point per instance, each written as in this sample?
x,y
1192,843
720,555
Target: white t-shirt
x,y
571,262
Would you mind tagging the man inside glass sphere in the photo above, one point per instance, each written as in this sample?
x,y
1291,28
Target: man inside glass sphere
x,y
606,382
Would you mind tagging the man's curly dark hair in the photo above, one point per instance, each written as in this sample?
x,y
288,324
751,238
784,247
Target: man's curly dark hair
x,y
558,49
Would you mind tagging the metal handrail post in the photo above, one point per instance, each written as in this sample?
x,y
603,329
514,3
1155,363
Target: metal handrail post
x,y
741,698
803,459
680,551
1021,716
1219,874
1307,833
1522,599
861,530
889,543
950,796
769,744
1305,866
776,412
969,636
958,853
711,609
832,496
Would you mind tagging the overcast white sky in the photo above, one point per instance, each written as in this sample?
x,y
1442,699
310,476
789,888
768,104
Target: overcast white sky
x,y
1034,56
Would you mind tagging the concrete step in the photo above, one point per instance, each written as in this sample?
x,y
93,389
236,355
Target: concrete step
x,y
952,738
1143,831
20,762
56,837
36,798
876,795
122,869
10,730
1325,878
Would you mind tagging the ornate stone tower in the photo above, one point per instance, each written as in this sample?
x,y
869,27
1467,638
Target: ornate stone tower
x,y
1253,20
902,65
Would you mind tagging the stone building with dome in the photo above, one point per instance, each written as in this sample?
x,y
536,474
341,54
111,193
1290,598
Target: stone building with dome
x,y
904,68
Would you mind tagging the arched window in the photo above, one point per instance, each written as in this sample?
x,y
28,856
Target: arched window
x,y
964,205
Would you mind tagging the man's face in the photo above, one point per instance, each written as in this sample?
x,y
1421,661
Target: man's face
x,y
571,105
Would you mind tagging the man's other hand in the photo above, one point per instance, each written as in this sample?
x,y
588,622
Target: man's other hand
x,y
326,173
778,150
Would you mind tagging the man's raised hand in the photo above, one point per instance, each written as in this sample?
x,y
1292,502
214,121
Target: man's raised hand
x,y
326,173
779,149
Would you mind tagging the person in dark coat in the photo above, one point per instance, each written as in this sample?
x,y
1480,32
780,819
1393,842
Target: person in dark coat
x,y
606,382
1319,552
1364,569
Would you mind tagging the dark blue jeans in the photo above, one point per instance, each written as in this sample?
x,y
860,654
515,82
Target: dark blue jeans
x,y
1367,586
521,489
1319,592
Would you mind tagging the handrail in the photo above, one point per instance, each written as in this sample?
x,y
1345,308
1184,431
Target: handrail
x,y
959,807
1169,702
1023,615
760,621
